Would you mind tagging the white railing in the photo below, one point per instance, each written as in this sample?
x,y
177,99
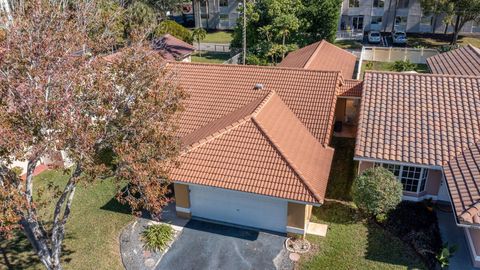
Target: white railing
x,y
349,35
391,54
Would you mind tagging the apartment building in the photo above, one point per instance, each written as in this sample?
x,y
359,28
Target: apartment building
x,y
216,14
388,15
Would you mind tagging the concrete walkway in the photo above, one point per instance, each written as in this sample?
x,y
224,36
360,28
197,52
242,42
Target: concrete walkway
x,y
454,235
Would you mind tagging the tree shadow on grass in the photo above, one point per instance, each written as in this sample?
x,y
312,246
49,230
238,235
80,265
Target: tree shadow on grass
x,y
18,253
114,206
385,247
336,212
343,171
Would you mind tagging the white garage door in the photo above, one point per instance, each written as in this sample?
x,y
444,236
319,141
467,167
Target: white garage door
x,y
238,208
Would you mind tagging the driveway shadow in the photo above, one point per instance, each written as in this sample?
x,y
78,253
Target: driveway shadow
x,y
224,230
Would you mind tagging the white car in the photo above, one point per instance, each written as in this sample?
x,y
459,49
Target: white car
x,y
374,37
399,37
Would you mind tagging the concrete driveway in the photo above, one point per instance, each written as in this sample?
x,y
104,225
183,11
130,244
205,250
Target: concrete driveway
x,y
204,245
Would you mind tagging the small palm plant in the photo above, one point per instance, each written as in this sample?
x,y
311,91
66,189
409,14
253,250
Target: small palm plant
x,y
198,35
445,254
157,237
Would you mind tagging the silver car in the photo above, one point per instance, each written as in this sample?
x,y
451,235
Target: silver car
x,y
374,37
399,37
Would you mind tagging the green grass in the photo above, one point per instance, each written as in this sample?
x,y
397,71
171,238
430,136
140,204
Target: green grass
x,y
210,57
353,242
93,229
348,44
221,37
387,66
435,42
344,169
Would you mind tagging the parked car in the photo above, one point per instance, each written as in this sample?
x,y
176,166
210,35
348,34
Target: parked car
x,y
374,37
399,37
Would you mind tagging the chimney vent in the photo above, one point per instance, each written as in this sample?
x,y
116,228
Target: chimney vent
x,y
258,86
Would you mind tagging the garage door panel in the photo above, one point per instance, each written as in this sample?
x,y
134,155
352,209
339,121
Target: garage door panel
x,y
239,208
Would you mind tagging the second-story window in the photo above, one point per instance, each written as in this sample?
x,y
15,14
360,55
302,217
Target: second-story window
x,y
223,3
378,3
354,3
402,3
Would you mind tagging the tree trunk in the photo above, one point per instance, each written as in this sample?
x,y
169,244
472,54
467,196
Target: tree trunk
x,y
446,28
456,30
283,44
434,24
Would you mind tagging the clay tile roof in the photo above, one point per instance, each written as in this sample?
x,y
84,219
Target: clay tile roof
x,y
351,88
417,118
172,48
462,173
322,55
262,148
218,90
461,61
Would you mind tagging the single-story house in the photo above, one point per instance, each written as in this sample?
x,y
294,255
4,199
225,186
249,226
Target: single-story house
x,y
256,144
425,128
323,55
173,49
462,61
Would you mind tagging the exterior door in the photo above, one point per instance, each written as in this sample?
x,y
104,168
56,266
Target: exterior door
x,y
238,208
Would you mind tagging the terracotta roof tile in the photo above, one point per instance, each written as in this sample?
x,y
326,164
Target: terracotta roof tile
x,y
322,55
417,118
351,88
257,152
172,48
218,90
461,61
462,173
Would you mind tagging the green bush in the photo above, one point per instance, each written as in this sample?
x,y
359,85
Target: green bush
x,y
377,191
174,29
401,66
157,237
17,171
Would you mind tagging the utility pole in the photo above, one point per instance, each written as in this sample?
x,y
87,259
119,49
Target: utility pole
x,y
244,32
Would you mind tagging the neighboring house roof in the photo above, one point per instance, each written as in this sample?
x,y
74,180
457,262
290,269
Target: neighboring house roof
x,y
218,90
417,118
351,88
461,61
261,148
322,55
262,130
172,48
462,173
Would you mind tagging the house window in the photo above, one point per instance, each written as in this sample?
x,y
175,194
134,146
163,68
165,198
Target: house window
x,y
378,3
224,17
401,20
413,179
426,20
402,4
377,20
354,3
223,3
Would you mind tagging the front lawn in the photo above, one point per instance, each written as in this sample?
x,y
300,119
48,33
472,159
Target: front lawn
x,y
220,37
92,231
353,242
210,57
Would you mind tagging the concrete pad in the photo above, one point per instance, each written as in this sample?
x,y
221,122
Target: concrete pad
x,y
317,229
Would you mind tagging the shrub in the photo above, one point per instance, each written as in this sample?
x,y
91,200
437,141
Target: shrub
x,y
401,66
377,191
157,237
421,232
17,171
174,29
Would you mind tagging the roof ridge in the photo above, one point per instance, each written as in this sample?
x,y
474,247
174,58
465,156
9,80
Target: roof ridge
x,y
321,43
288,160
420,74
251,67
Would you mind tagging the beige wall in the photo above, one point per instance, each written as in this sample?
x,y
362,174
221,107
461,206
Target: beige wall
x,y
473,239
298,216
182,199
433,182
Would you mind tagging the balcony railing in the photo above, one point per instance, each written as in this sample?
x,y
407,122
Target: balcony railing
x,y
350,35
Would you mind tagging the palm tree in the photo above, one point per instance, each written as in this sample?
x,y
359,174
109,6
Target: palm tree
x,y
198,35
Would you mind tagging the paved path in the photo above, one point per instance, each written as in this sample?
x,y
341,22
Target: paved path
x,y
454,235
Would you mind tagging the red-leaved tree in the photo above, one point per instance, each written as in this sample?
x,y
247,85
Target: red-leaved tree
x,y
112,116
